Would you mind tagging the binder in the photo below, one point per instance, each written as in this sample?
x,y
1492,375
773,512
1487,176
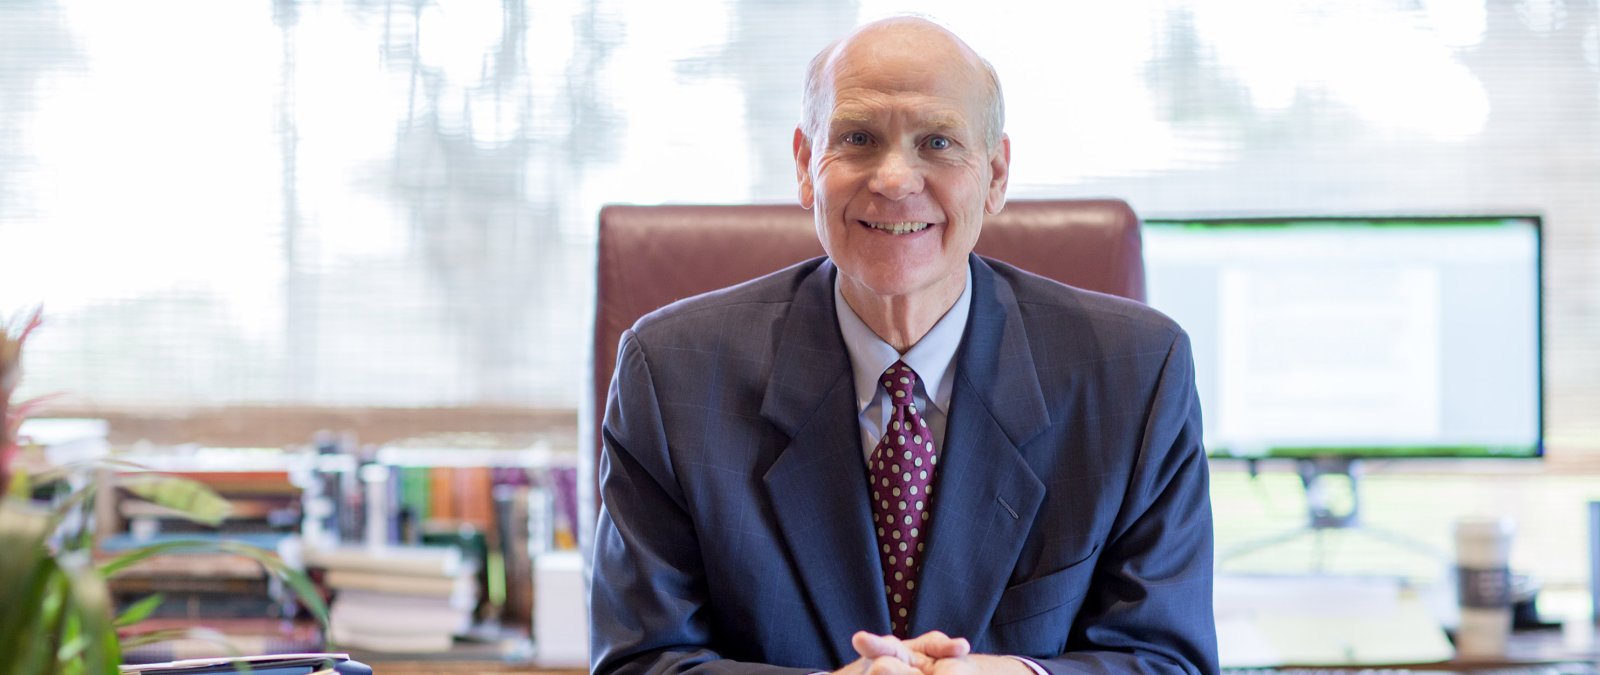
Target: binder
x,y
270,664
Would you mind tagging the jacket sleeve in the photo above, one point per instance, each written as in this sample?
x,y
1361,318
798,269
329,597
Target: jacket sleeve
x,y
648,594
1150,606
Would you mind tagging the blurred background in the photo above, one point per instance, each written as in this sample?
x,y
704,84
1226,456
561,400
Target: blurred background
x,y
247,221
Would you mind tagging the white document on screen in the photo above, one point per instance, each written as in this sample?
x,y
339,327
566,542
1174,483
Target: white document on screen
x,y
1307,355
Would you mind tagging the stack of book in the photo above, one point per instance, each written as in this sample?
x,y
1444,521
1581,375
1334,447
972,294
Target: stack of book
x,y
200,584
402,599
506,507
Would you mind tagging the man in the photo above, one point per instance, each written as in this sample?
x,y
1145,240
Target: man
x,y
903,458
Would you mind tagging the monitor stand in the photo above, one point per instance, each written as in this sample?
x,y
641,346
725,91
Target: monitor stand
x,y
1321,516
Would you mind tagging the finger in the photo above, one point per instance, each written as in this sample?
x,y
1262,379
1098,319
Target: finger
x,y
873,646
919,647
889,665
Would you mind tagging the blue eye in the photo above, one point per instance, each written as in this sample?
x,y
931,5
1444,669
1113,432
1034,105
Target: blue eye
x,y
856,138
939,143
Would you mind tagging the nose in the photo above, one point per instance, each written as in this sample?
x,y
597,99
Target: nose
x,y
897,176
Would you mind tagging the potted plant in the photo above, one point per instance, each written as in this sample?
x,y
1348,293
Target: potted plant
x,y
58,614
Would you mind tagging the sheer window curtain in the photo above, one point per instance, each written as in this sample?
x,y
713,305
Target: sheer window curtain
x,y
381,214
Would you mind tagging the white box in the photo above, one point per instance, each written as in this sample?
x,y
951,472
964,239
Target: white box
x,y
560,611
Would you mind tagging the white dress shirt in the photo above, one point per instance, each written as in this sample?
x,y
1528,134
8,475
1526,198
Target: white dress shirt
x,y
933,358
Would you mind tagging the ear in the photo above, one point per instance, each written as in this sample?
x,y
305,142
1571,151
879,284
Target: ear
x,y
802,167
999,176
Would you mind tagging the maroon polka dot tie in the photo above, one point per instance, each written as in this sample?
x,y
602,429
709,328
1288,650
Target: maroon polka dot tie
x,y
902,476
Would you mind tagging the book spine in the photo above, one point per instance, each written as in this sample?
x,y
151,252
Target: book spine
x,y
375,489
474,489
413,502
511,516
442,497
564,481
352,510
396,502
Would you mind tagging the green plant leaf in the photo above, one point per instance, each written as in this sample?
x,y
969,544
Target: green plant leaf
x,y
72,641
26,571
186,498
19,484
91,607
140,610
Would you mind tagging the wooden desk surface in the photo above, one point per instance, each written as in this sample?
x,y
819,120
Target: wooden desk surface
x,y
1528,647
461,668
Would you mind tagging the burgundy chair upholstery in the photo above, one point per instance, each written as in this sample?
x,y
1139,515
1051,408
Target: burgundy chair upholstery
x,y
652,255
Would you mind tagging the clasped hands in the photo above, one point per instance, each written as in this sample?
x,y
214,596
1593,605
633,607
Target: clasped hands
x,y
932,653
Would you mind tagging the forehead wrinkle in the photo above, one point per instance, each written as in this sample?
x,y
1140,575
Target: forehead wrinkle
x,y
941,119
851,117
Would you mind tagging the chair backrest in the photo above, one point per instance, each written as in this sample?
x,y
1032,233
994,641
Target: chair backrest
x,y
651,256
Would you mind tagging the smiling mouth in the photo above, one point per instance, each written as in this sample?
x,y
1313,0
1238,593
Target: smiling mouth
x,y
896,228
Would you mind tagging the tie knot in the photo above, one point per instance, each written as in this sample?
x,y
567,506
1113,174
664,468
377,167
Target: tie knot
x,y
899,380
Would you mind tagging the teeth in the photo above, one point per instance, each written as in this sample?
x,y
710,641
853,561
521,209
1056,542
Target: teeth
x,y
897,228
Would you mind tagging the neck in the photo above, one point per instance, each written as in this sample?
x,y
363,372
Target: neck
x,y
902,320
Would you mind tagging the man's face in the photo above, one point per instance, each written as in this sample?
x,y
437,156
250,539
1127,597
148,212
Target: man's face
x,y
901,174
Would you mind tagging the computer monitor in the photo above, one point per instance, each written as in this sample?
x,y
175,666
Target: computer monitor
x,y
1358,337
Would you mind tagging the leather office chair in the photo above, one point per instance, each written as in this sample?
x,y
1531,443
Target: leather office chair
x,y
651,256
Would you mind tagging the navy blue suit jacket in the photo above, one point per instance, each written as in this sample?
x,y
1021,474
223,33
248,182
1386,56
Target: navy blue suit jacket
x,y
1072,523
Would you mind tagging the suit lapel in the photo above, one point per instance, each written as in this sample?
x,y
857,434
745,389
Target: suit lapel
x,y
818,485
985,495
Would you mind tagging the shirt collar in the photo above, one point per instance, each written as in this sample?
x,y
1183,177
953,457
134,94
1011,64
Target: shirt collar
x,y
932,357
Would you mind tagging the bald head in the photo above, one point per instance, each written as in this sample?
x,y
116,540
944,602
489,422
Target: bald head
x,y
880,43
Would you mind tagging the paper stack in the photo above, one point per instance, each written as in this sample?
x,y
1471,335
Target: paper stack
x,y
1324,621
398,599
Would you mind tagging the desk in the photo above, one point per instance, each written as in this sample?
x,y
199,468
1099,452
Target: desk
x,y
460,668
1527,648
465,659
1538,651
1535,646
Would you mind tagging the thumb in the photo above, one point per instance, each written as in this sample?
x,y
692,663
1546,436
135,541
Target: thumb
x,y
953,648
935,644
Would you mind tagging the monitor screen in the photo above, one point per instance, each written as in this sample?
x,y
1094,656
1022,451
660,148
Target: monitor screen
x,y
1364,337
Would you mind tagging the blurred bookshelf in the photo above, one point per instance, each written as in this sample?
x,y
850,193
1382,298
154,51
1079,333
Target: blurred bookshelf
x,y
426,550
